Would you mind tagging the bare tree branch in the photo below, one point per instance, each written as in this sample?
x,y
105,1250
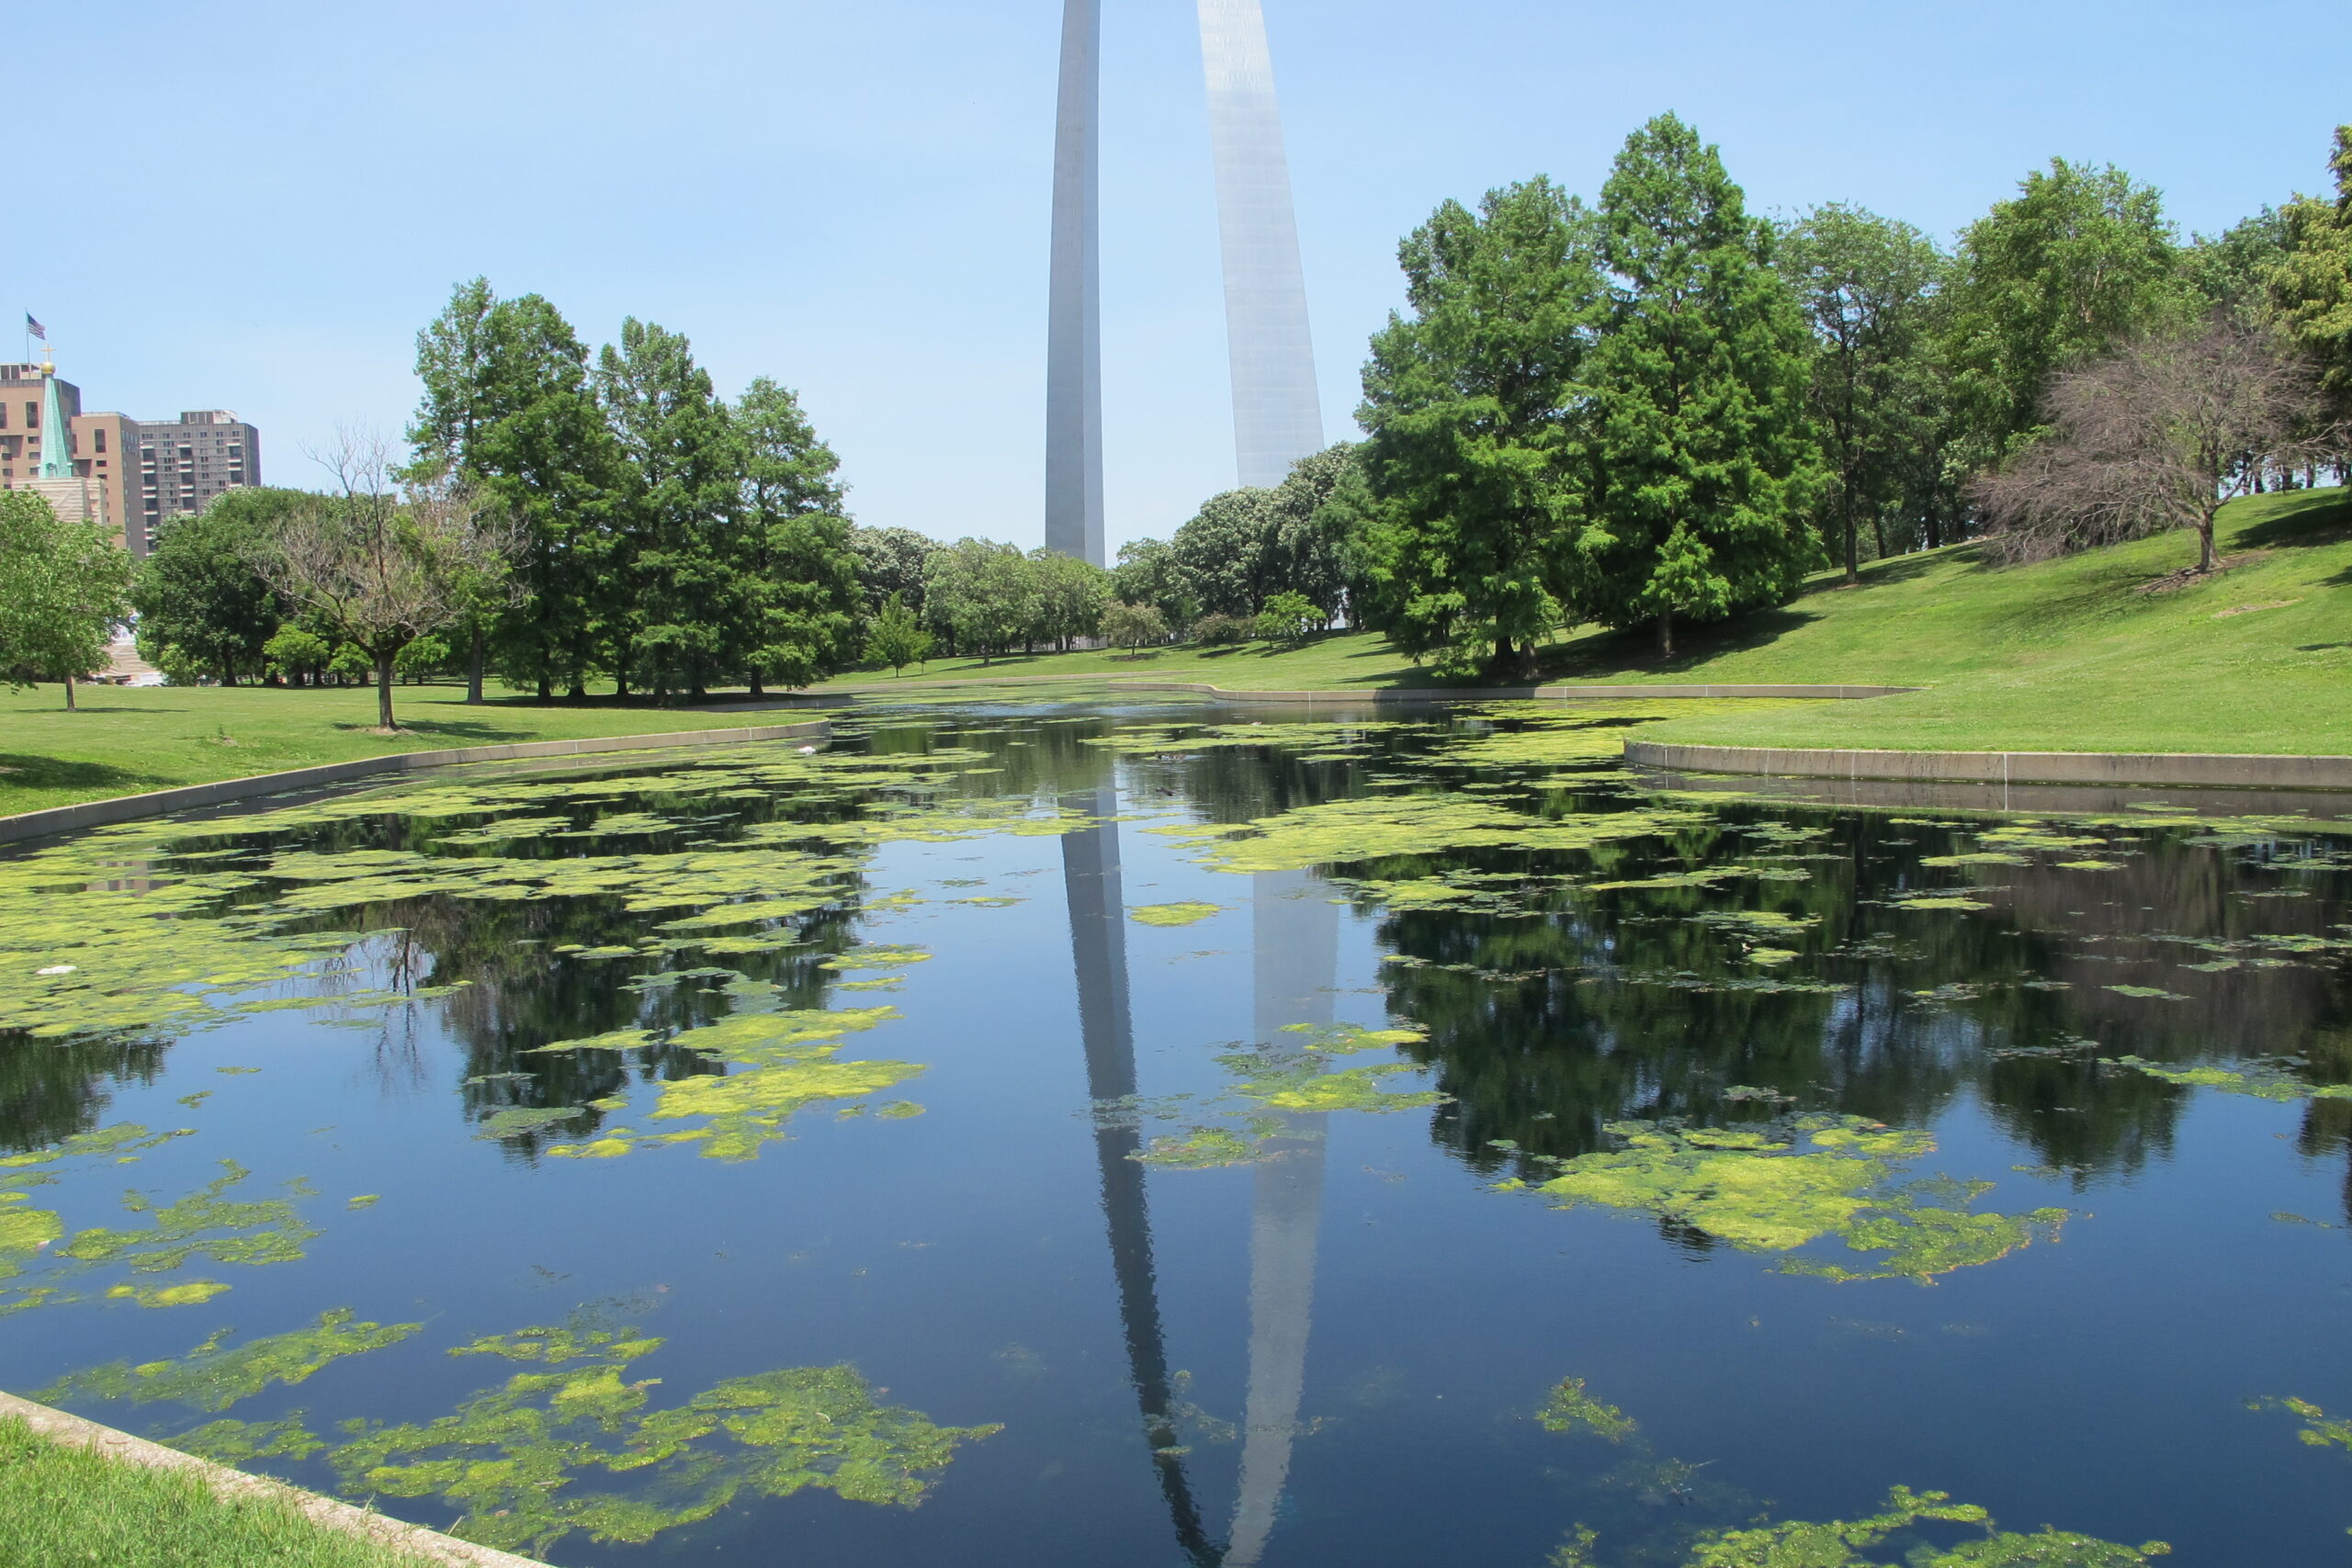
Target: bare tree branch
x,y
2158,437
381,566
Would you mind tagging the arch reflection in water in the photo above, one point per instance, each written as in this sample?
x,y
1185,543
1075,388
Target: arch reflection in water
x,y
1294,953
1092,884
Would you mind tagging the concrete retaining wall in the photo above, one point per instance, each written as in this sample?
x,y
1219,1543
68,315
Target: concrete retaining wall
x,y
2200,770
157,803
425,1545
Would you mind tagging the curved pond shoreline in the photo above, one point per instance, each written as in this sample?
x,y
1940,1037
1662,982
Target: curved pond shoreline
x,y
425,1545
2193,769
190,798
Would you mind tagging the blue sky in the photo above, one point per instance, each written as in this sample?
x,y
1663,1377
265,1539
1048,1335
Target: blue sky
x,y
264,201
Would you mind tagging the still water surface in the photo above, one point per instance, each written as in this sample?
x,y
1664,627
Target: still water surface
x,y
1053,1136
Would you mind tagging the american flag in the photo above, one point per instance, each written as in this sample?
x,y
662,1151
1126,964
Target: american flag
x,y
35,327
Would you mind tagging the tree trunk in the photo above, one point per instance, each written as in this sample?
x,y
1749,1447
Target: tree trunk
x,y
69,694
228,673
2205,540
1878,533
474,675
1666,634
757,690
1935,529
384,692
1853,564
578,693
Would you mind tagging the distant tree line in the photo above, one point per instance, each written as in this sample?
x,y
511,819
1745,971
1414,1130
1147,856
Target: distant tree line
x,y
1656,411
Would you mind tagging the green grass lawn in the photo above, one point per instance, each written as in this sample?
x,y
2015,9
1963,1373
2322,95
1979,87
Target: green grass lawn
x,y
127,739
2075,655
64,1505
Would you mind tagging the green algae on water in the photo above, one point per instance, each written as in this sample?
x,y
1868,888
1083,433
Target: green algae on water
x,y
511,1457
2261,1080
210,1378
1571,1409
1805,1544
1774,1190
1177,914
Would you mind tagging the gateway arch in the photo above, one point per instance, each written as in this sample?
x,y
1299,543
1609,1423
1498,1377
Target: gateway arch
x,y
1277,416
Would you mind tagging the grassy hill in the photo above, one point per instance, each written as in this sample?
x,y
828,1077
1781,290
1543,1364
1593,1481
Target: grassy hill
x,y
2108,650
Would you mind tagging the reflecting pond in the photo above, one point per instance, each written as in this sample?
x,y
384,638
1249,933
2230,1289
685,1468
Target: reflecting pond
x,y
1060,1135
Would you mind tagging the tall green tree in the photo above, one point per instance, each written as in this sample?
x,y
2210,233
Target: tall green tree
x,y
983,596
2310,287
64,591
891,565
1474,404
673,589
1312,539
2079,262
507,408
1071,595
802,599
200,601
1703,461
1149,573
1226,551
1867,286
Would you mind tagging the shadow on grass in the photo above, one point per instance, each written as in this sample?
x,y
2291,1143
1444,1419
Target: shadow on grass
x,y
2305,518
22,771
454,728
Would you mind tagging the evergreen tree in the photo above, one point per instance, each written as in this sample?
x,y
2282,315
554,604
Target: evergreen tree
x,y
507,406
1868,287
1704,465
797,572
2079,262
1473,405
673,593
201,604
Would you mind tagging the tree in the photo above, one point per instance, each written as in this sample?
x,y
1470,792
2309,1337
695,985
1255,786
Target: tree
x,y
2156,438
891,565
1312,539
1070,597
982,594
1134,626
2081,261
507,406
798,575
897,638
1226,551
2231,271
1149,573
1474,407
675,585
1705,466
200,602
378,569
64,591
1868,287
2310,287
1287,619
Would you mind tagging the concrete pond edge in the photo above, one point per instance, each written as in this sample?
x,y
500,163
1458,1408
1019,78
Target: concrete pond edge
x,y
188,798
1373,694
2202,770
328,1513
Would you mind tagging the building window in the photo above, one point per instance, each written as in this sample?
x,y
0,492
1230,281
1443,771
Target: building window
x,y
32,416
100,438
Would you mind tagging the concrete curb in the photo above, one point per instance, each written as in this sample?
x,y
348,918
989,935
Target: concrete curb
x,y
425,1545
2199,769
157,803
1378,694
